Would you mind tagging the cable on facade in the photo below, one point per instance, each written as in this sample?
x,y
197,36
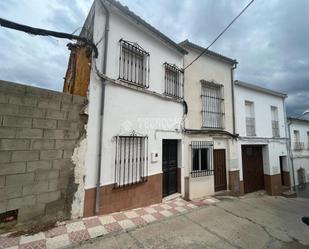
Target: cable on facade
x,y
226,28
44,32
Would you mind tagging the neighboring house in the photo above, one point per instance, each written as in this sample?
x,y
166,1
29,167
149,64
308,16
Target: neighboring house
x,y
209,137
134,153
263,139
299,138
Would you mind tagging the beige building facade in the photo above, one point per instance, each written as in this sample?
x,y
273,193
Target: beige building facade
x,y
210,147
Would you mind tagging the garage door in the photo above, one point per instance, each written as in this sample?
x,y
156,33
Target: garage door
x,y
252,162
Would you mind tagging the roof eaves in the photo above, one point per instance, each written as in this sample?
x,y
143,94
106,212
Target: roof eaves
x,y
208,52
298,119
260,89
125,10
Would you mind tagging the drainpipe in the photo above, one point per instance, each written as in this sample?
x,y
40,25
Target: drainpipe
x,y
289,146
233,96
106,30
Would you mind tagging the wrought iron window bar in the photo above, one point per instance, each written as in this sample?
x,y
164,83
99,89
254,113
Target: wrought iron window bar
x,y
275,128
299,146
201,173
250,126
131,160
133,64
173,81
197,145
212,105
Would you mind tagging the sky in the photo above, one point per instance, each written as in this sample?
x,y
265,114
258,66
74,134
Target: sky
x,y
270,40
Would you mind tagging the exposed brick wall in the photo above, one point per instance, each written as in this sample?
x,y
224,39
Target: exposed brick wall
x,y
39,130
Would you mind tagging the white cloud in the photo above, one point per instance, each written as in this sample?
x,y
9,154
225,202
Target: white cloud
x,y
269,40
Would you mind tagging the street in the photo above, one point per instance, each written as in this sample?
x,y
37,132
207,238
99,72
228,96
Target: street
x,y
254,221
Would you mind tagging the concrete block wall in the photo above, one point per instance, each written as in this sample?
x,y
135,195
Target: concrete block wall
x,y
39,130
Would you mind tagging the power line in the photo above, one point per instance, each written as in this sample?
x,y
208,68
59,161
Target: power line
x,y
44,32
227,27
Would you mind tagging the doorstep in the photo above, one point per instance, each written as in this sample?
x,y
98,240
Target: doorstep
x,y
73,232
171,197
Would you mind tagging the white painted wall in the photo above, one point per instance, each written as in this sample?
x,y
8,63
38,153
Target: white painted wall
x,y
272,150
262,112
272,147
300,157
122,27
127,109
198,186
210,69
213,70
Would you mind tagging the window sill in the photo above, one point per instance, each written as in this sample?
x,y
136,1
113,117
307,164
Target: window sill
x,y
133,83
201,173
212,128
172,96
141,181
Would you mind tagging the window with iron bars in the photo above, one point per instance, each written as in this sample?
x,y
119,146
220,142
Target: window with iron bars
x,y
131,160
133,64
173,81
202,159
212,105
274,121
250,118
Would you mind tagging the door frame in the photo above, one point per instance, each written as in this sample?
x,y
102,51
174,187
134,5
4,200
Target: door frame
x,y
225,170
243,146
177,169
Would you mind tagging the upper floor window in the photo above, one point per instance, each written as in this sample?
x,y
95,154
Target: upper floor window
x,y
173,81
133,64
212,105
297,144
275,121
250,118
296,136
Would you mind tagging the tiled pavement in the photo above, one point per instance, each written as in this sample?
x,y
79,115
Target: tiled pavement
x,y
75,231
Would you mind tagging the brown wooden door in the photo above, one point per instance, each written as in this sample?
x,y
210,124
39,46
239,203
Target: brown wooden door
x,y
253,174
220,170
169,167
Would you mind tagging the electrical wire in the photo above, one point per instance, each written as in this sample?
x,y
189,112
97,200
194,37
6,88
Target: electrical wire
x,y
226,28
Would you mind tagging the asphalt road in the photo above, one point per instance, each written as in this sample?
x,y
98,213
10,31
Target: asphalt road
x,y
255,221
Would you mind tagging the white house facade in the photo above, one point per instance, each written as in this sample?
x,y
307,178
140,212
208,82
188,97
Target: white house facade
x,y
134,155
263,138
158,125
209,139
299,137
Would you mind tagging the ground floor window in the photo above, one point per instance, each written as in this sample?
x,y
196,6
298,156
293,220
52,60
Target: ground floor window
x,y
131,160
202,158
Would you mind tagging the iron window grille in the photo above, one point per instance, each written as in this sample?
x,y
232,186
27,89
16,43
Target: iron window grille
x,y
250,118
212,105
299,146
275,128
173,81
274,121
131,160
202,158
250,126
133,64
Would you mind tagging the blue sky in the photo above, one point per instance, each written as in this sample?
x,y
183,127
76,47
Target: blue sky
x,y
270,41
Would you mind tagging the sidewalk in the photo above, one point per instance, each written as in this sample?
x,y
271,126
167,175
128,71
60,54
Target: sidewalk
x,y
75,231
